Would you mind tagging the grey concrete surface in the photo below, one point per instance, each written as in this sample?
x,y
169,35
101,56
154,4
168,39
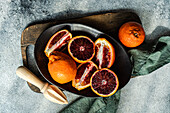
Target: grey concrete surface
x,y
147,94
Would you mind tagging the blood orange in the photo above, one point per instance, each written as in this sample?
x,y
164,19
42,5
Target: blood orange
x,y
84,73
104,82
62,67
57,41
105,53
131,34
81,49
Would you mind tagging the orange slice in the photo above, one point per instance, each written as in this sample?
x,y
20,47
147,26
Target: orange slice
x,y
84,73
105,53
57,41
104,82
81,49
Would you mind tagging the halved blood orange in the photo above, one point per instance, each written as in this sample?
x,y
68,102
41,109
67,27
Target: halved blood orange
x,y
81,49
84,73
104,82
105,53
57,41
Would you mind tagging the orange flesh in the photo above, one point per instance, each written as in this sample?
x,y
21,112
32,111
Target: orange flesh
x,y
104,82
84,73
57,41
81,49
105,53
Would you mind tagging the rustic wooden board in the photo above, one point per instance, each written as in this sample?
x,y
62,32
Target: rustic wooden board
x,y
108,23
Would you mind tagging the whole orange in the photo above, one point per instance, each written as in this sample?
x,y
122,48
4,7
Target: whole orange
x,y
131,34
62,68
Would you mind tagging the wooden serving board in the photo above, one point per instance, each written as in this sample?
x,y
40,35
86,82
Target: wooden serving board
x,y
108,23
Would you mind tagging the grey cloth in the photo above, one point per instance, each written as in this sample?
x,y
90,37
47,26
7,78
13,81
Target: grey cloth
x,y
16,97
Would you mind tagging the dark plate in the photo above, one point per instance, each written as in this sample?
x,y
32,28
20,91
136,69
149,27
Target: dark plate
x,y
122,65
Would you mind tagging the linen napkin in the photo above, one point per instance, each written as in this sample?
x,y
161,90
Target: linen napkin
x,y
144,61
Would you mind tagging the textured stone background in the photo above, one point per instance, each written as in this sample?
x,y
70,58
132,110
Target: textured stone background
x,y
147,94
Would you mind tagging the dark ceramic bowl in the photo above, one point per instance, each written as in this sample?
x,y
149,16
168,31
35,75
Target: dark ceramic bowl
x,y
122,65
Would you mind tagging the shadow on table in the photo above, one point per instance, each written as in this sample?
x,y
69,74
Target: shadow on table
x,y
73,14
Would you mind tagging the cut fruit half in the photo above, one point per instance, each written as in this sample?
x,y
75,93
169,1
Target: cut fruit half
x,y
105,53
81,49
104,82
57,41
84,73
